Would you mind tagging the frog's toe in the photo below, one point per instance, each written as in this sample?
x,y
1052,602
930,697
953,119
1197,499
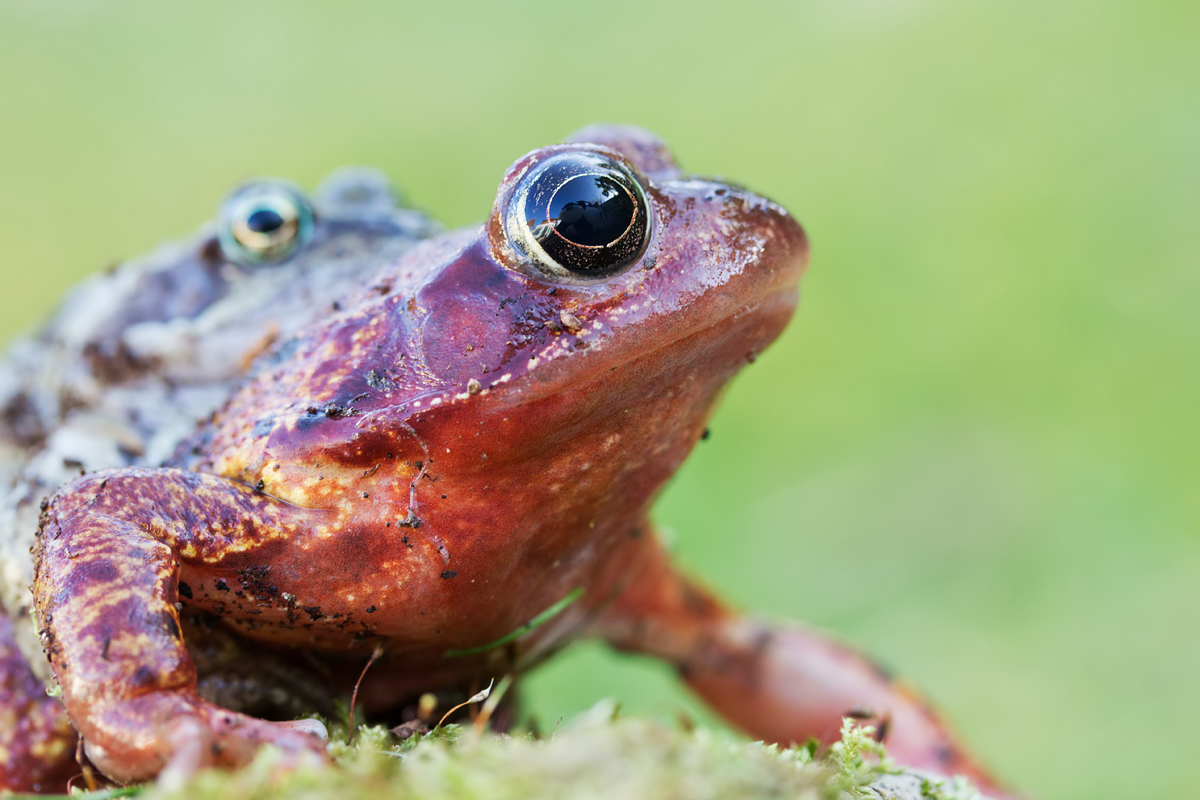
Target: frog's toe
x,y
193,735
192,745
232,740
237,739
312,727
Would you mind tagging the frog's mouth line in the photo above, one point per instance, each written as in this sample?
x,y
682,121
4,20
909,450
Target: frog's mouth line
x,y
559,373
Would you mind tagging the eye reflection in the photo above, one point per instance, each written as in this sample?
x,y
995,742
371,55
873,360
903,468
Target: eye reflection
x,y
588,210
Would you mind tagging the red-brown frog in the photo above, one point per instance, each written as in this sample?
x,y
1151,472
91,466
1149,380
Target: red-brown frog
x,y
468,441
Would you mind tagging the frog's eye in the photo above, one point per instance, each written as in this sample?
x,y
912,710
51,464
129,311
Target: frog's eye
x,y
578,216
264,221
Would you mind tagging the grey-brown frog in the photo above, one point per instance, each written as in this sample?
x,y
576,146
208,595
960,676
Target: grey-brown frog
x,y
132,362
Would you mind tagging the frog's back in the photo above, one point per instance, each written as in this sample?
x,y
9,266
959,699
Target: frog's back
x,y
134,358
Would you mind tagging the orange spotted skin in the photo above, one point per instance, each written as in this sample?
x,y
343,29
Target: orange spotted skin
x,y
37,743
447,455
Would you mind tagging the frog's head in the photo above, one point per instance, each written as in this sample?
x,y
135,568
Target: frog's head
x,y
537,376
604,304
600,260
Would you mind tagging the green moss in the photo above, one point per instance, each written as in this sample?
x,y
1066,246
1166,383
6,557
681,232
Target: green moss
x,y
849,757
596,755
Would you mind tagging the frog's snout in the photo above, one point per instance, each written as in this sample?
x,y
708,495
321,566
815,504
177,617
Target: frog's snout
x,y
794,243
763,235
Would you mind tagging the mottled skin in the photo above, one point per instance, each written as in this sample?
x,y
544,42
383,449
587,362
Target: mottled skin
x,y
37,743
128,366
458,447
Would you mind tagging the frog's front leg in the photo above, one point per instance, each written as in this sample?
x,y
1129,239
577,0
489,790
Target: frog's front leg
x,y
106,591
780,682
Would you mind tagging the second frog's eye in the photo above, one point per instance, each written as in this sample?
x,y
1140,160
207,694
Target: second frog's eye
x,y
264,221
578,216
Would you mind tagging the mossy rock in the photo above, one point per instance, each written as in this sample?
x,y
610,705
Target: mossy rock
x,y
597,755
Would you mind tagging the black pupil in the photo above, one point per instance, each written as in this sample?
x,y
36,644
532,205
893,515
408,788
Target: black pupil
x,y
591,210
264,220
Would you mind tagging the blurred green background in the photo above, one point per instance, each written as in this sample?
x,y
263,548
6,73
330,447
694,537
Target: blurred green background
x,y
974,453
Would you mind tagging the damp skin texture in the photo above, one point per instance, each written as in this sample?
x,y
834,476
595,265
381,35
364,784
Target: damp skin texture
x,y
456,445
